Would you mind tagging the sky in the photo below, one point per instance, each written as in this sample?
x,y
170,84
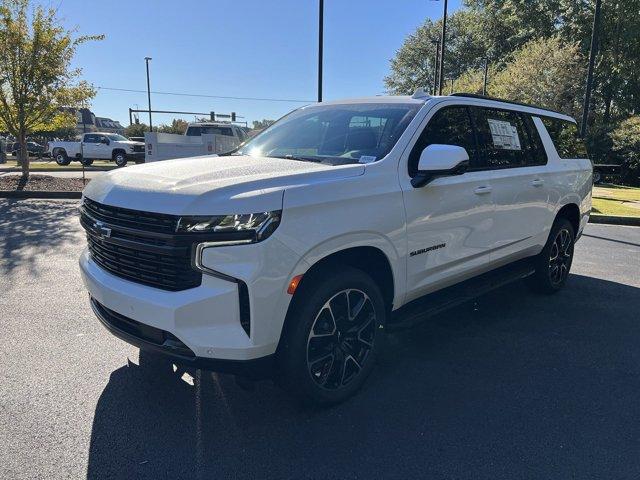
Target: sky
x,y
251,48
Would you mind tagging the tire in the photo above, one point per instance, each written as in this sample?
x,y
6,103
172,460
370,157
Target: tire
x,y
554,262
597,177
86,161
326,353
120,158
61,157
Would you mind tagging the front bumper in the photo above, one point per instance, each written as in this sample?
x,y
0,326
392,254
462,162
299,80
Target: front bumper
x,y
206,319
137,156
149,338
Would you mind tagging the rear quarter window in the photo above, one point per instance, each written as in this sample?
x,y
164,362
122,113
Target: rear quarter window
x,y
565,138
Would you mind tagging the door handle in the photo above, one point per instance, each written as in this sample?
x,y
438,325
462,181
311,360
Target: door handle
x,y
537,182
482,190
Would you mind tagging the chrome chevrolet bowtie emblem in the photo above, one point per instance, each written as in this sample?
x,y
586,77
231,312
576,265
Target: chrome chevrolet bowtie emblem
x,y
101,230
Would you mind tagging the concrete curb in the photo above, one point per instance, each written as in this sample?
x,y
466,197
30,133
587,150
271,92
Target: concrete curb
x,y
22,194
610,220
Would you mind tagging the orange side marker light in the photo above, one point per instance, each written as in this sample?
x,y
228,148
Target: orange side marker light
x,y
293,284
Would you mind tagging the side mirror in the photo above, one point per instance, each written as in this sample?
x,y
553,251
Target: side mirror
x,y
438,161
104,140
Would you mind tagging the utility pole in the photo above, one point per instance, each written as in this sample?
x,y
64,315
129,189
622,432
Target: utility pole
x,y
146,59
435,65
486,70
442,47
320,44
592,59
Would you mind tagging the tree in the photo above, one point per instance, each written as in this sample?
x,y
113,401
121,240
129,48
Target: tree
x,y
626,145
262,124
36,79
136,130
413,65
177,126
546,72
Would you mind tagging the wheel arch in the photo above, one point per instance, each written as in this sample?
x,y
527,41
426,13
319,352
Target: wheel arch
x,y
571,212
370,259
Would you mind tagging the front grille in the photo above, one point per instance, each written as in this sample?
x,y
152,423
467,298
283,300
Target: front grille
x,y
138,148
139,246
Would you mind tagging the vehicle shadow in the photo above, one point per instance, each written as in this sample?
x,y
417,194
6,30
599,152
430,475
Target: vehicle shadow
x,y
512,385
29,229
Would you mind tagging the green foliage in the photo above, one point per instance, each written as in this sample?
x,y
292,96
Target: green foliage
x,y
36,79
626,145
136,130
413,66
177,126
546,72
262,124
512,32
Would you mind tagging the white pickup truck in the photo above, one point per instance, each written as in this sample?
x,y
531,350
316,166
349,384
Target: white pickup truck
x,y
97,146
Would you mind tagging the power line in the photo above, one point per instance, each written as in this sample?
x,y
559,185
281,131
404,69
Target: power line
x,y
290,100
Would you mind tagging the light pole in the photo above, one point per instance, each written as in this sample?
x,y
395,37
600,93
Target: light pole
x,y
442,47
592,58
320,42
435,65
146,59
486,70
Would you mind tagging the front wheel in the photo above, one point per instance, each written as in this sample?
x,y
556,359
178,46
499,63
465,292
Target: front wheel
x,y
333,336
120,158
554,262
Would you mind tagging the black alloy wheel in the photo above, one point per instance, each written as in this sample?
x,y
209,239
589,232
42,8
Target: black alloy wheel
x,y
341,338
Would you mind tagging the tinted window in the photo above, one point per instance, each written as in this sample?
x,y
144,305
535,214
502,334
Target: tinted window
x,y
565,137
89,138
193,132
449,126
502,137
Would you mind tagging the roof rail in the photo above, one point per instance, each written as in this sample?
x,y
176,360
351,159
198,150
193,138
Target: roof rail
x,y
486,97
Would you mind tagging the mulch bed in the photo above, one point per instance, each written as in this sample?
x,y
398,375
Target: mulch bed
x,y
41,183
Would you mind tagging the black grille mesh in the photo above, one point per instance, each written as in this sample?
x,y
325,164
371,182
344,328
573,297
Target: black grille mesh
x,y
139,246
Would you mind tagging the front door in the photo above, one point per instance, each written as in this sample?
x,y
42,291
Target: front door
x,y
450,221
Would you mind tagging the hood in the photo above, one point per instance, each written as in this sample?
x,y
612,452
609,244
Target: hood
x,y
210,185
130,142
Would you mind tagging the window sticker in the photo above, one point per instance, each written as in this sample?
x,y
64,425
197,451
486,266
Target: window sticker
x,y
505,136
367,159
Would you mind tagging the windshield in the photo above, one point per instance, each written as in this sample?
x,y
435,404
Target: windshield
x,y
335,134
117,138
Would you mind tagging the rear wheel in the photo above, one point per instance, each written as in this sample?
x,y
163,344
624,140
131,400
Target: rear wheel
x,y
554,262
61,157
120,158
333,337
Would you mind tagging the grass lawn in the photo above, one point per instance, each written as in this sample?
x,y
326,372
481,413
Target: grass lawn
x,y
36,165
616,200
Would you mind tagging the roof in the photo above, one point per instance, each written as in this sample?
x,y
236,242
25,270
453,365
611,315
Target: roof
x,y
421,97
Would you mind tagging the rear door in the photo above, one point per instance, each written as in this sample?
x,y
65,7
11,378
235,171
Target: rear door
x,y
450,220
512,151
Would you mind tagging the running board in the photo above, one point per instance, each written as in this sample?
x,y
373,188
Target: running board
x,y
425,307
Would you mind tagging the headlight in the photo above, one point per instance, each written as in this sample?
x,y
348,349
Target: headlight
x,y
242,228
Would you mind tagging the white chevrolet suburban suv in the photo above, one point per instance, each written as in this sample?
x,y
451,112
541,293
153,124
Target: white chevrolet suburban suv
x,y
294,254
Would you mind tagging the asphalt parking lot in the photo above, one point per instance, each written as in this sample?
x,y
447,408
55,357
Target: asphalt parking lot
x,y
515,385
